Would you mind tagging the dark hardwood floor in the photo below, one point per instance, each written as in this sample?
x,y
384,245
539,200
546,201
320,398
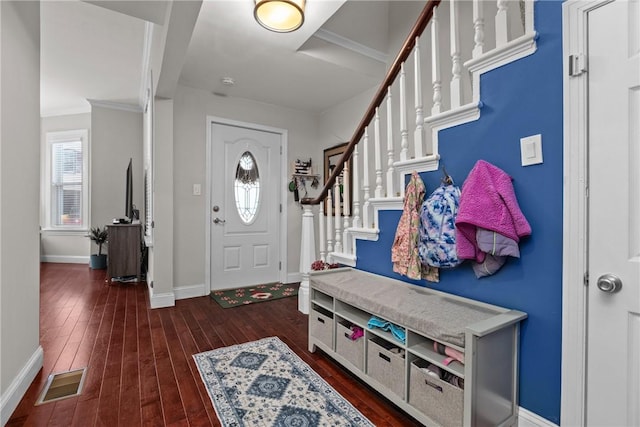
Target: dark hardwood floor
x,y
139,365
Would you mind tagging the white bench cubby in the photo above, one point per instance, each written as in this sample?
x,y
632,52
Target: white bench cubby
x,y
481,392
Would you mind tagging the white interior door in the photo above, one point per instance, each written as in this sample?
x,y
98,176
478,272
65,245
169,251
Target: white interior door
x,y
245,206
613,358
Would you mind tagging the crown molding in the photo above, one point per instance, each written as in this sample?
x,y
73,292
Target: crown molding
x,y
123,106
68,111
351,45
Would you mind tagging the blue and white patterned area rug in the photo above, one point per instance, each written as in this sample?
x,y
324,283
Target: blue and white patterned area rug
x,y
264,383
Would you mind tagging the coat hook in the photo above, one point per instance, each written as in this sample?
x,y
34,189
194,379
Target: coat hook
x,y
446,179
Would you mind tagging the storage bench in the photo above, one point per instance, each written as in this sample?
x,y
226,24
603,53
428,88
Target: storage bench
x,y
480,389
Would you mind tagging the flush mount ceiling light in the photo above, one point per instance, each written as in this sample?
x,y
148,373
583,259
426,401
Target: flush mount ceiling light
x,y
281,16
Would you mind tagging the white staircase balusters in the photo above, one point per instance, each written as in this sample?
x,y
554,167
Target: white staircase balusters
x,y
377,154
346,208
329,220
355,217
338,213
346,190
418,136
356,189
528,17
323,237
404,132
456,61
391,180
435,65
478,28
366,218
502,23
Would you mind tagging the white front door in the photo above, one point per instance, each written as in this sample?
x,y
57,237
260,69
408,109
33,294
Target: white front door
x,y
245,206
613,341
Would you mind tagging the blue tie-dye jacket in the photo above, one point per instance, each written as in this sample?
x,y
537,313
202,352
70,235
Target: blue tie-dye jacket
x,y
437,245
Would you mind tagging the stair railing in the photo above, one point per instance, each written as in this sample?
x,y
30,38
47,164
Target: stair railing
x,y
462,45
392,74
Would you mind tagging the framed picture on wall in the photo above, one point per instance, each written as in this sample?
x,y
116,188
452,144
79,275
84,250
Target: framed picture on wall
x,y
331,158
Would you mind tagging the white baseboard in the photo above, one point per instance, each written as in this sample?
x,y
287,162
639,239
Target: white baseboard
x,y
18,387
191,291
65,259
165,299
527,418
294,277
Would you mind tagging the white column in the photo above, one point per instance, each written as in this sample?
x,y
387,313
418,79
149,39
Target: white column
x,y
323,238
307,256
404,133
391,184
435,64
478,28
378,154
418,135
456,62
356,189
336,203
502,23
366,221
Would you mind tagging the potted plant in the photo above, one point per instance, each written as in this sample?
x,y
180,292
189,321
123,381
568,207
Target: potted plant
x,y
98,261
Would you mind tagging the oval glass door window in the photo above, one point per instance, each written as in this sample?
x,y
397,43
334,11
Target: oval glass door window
x,y
247,188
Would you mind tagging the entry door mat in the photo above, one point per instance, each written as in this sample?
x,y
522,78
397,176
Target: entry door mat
x,y
243,296
264,383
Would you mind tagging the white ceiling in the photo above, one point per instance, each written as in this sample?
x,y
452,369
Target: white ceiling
x,y
96,50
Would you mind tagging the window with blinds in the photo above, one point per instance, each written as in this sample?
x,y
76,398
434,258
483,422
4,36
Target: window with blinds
x,y
66,183
67,203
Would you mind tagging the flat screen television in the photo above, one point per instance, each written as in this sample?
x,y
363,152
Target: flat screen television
x,y
128,204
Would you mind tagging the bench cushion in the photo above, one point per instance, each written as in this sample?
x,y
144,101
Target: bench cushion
x,y
422,310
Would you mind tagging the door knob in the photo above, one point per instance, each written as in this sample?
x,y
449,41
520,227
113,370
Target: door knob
x,y
218,221
609,283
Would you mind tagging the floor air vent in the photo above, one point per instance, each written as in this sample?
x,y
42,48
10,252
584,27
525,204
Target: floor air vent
x,y
62,385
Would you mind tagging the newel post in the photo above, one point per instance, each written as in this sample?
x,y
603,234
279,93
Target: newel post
x,y
307,256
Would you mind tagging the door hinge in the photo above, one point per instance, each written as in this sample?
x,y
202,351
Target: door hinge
x,y
577,64
585,279
281,150
153,224
280,207
280,265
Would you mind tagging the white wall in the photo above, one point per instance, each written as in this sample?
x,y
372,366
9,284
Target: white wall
x,y
63,246
20,352
337,124
116,137
191,107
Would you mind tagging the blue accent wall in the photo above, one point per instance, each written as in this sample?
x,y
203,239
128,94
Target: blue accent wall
x,y
520,99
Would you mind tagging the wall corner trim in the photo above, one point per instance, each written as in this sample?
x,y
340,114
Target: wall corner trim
x,y
11,398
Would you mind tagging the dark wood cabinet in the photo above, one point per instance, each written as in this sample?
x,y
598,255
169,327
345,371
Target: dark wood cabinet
x,y
124,250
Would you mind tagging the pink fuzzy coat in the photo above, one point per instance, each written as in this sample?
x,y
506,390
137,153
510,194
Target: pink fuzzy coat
x,y
488,201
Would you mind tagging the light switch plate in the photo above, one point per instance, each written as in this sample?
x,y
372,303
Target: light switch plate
x,y
531,150
197,190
